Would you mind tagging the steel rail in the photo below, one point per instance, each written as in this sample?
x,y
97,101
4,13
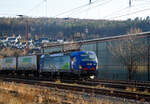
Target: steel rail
x,y
86,89
141,87
135,83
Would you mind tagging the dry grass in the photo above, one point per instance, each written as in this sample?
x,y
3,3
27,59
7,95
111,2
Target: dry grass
x,y
146,91
12,93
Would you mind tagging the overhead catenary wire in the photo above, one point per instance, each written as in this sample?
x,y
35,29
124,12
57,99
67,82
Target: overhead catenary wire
x,y
82,6
71,10
142,0
125,11
116,12
90,5
89,8
106,2
35,7
86,13
130,13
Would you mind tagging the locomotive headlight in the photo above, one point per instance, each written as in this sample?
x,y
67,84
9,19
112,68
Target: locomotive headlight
x,y
80,67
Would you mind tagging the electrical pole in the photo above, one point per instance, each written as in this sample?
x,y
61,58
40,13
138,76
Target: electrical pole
x,y
27,29
90,2
129,3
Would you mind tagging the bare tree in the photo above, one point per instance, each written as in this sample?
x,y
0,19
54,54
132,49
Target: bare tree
x,y
129,52
134,31
6,52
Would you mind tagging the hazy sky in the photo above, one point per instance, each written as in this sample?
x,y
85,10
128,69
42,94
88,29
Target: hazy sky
x,y
98,9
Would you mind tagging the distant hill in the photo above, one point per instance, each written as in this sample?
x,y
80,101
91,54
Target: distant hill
x,y
70,28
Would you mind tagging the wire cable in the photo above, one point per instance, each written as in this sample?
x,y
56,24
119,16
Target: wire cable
x,y
134,7
71,10
89,8
117,11
36,6
131,13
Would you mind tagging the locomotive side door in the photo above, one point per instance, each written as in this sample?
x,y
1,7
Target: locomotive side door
x,y
74,63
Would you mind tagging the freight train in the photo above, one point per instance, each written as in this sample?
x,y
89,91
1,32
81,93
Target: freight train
x,y
78,64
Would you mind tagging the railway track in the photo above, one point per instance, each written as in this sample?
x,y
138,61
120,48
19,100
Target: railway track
x,y
123,85
83,88
136,83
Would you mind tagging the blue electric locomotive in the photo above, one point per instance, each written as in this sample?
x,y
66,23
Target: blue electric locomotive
x,y
79,64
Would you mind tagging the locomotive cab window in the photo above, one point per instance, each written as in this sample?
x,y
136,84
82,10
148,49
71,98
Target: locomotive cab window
x,y
88,57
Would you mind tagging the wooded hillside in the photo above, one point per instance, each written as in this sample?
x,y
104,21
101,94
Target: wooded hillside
x,y
68,28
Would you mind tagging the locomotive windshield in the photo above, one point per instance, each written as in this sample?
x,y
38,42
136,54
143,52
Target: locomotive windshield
x,y
88,57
